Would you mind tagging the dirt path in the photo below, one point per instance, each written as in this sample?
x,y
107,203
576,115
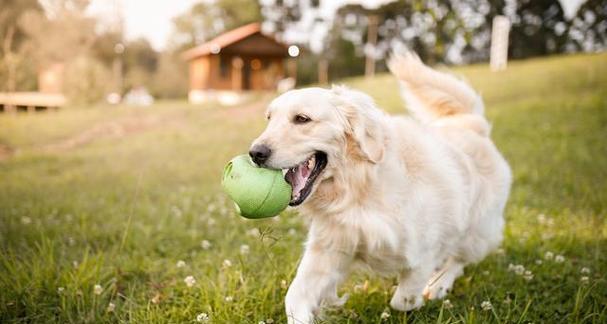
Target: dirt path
x,y
250,110
5,151
112,129
131,125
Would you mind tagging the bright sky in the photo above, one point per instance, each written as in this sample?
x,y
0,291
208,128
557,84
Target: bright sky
x,y
152,19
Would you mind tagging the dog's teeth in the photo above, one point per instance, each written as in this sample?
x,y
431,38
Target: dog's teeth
x,y
311,162
284,172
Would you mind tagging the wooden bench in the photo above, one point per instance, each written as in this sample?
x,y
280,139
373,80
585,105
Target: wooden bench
x,y
30,101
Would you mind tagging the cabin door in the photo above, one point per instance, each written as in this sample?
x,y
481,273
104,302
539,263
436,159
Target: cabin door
x,y
246,75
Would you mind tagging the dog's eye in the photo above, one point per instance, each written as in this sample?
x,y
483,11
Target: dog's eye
x,y
301,119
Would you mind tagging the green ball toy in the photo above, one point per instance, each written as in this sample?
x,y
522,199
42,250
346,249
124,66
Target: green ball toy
x,y
257,192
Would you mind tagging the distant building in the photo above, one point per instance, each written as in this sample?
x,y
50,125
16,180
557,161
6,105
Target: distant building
x,y
49,94
50,79
239,60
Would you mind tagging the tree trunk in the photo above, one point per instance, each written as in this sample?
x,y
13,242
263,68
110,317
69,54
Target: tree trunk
x,y
323,71
371,40
9,60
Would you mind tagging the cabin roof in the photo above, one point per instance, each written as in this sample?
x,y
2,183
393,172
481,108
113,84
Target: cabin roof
x,y
215,45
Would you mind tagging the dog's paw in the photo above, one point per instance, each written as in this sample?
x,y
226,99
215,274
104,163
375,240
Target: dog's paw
x,y
406,303
440,285
436,292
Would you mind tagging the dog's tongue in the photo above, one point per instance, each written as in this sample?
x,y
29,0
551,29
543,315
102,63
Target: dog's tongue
x,y
297,177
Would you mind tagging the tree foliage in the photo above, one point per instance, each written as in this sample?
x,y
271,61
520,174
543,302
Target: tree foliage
x,y
208,19
452,31
588,29
15,71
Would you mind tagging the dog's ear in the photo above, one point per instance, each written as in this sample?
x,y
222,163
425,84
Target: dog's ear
x,y
364,122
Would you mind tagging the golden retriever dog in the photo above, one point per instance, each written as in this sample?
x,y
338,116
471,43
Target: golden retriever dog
x,y
414,197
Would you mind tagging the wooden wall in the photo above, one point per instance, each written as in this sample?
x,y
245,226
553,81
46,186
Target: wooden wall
x,y
216,72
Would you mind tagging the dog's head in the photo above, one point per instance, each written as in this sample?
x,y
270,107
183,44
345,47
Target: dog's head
x,y
315,134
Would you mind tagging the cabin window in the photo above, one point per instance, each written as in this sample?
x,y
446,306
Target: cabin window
x,y
224,66
256,64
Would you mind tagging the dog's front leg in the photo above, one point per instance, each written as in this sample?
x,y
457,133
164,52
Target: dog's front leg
x,y
318,275
409,292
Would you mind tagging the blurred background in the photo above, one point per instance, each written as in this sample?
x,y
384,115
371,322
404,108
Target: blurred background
x,y
90,49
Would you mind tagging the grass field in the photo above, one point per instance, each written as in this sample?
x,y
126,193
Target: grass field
x,y
105,211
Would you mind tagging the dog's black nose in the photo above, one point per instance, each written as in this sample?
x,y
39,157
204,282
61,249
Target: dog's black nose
x,y
260,153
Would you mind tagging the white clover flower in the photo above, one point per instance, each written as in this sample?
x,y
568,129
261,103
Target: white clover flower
x,y
541,218
559,259
292,232
385,315
229,299
223,211
97,289
261,322
528,275
519,269
189,281
180,264
244,249
584,280
254,232
60,290
205,245
549,255
539,261
227,263
585,270
486,305
283,284
447,304
269,321
26,220
110,307
202,317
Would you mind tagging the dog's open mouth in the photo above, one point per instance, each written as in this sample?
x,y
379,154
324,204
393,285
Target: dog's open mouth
x,y
302,176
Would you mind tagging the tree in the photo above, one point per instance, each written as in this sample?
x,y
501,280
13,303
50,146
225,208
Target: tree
x,y
171,77
303,23
140,63
66,34
535,29
208,19
14,70
588,29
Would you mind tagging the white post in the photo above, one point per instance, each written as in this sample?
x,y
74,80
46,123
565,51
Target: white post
x,y
499,43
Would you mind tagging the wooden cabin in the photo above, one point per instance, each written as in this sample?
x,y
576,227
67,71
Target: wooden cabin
x,y
239,60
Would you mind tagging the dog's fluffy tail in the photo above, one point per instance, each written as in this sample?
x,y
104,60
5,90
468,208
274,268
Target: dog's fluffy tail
x,y
436,97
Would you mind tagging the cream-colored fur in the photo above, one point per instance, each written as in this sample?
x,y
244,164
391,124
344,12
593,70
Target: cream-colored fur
x,y
417,198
